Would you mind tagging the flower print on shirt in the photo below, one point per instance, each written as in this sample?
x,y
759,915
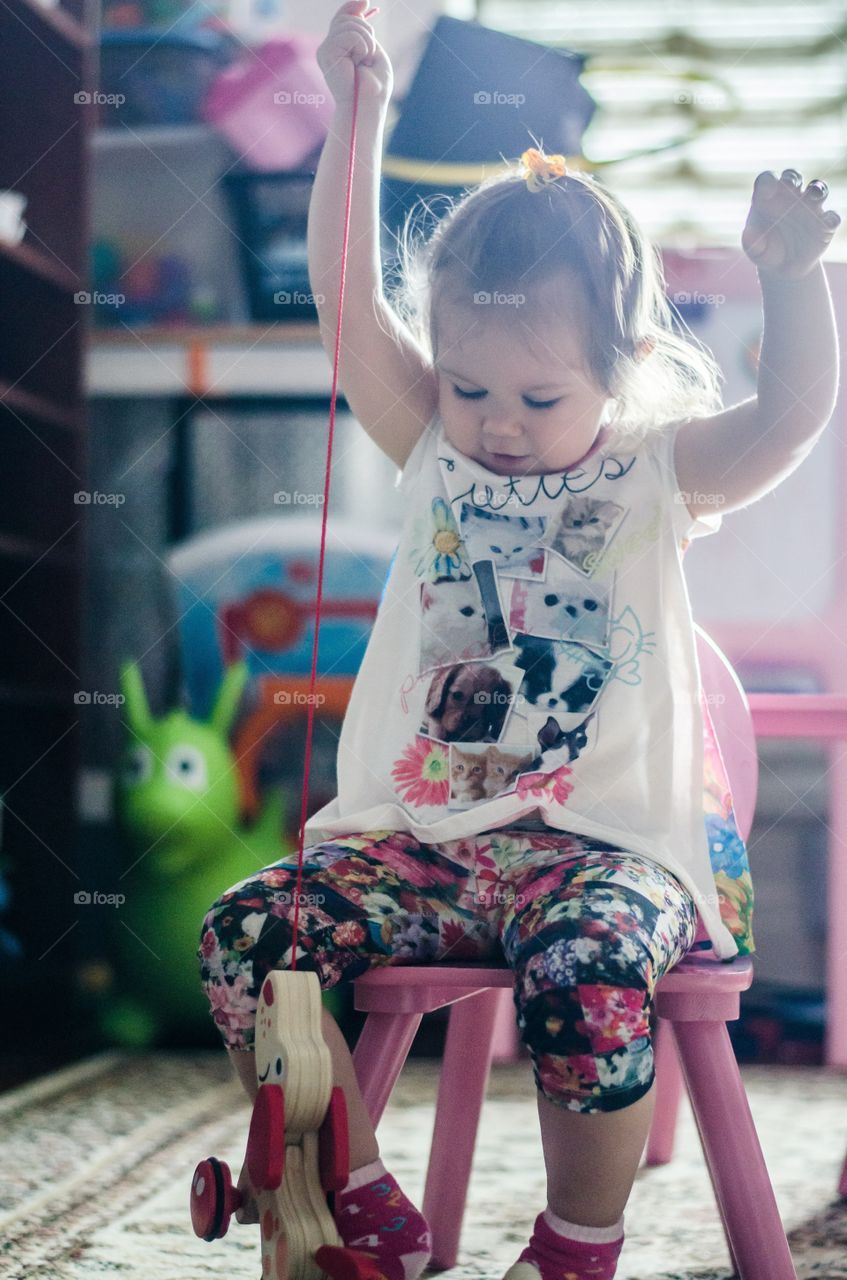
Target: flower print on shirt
x,y
550,785
438,551
422,773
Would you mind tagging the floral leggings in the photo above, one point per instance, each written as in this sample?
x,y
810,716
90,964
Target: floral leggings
x,y
588,930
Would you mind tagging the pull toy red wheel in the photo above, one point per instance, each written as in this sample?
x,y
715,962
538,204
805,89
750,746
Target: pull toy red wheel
x,y
213,1199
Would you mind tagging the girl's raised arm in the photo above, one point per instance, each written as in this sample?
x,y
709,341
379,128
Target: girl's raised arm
x,y
388,382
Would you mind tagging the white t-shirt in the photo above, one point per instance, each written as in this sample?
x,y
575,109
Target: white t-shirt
x,y
534,658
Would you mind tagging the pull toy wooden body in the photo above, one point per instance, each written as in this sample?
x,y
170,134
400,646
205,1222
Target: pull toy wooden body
x,y
297,1146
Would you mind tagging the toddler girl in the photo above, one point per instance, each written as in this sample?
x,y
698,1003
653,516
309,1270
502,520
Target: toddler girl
x,y
521,767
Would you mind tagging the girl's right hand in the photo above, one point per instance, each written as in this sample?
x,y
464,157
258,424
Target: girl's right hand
x,y
350,43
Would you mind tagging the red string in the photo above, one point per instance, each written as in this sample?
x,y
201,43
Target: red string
x,y
311,720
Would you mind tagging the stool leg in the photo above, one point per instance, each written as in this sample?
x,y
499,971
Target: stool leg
x,y
381,1050
739,1175
505,1040
461,1092
669,1085
842,1181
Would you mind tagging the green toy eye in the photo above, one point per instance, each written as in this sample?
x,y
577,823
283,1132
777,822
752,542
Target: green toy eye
x,y
187,766
138,766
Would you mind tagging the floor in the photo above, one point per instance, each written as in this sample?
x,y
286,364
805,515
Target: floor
x,y
98,1158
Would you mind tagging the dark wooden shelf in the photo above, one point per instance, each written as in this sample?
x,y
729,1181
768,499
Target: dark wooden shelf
x,y
56,20
28,404
48,73
40,264
13,695
27,549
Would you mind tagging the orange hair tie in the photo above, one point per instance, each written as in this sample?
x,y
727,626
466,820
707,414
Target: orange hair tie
x,y
541,169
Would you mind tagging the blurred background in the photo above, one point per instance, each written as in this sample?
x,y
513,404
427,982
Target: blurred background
x,y
164,398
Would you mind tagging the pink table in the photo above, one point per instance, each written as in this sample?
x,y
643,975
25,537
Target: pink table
x,y
823,716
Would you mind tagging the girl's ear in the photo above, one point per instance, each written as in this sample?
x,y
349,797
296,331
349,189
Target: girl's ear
x,y
644,347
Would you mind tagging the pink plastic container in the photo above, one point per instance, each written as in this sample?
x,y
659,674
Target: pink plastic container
x,y
272,106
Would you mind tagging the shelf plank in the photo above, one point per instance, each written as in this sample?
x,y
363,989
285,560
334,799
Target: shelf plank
x,y
220,361
25,404
45,19
40,264
55,19
270,331
153,136
27,549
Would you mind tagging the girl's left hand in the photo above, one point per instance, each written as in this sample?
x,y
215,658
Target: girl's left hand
x,y
787,230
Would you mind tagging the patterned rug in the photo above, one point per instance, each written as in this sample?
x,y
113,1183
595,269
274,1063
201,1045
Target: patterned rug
x,y
97,1162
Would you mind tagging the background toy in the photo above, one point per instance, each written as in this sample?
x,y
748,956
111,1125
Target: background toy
x,y
179,804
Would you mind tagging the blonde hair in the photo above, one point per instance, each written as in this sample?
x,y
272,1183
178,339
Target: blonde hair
x,y
503,238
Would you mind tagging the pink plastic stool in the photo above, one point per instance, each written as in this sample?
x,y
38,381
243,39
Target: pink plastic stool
x,y
696,999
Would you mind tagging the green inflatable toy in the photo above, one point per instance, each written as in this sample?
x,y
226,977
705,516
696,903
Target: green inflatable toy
x,y
178,804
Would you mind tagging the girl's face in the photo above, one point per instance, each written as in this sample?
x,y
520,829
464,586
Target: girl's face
x,y
518,401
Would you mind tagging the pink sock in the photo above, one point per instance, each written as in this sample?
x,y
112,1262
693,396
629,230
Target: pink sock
x,y
561,1250
373,1216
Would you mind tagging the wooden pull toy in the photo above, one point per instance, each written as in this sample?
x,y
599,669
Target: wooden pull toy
x,y
297,1145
